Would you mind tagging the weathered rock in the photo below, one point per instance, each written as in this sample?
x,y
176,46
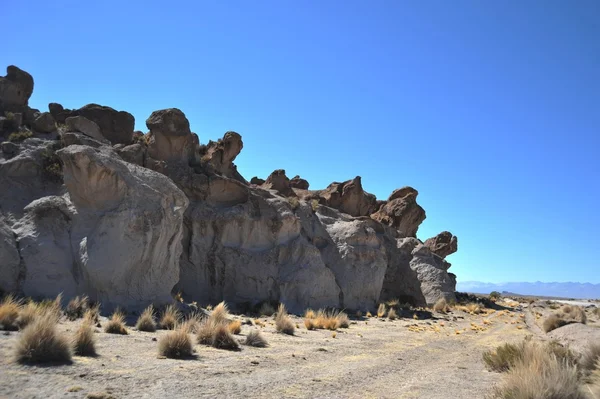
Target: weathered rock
x,y
134,153
257,181
126,238
402,212
432,272
15,88
401,282
55,109
9,259
115,126
60,114
279,182
170,138
44,123
349,197
85,126
17,119
298,182
443,244
10,148
75,138
220,155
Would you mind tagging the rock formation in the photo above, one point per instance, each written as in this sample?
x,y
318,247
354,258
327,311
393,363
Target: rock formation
x,y
128,218
443,244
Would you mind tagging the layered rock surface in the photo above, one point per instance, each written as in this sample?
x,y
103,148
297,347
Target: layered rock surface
x,y
128,219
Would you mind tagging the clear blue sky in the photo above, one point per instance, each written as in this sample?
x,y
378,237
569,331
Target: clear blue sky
x,y
491,109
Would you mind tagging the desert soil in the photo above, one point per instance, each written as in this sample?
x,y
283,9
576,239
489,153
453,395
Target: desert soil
x,y
438,357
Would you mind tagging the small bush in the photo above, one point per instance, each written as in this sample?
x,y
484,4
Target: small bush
x,y
539,374
392,314
441,306
92,314
116,324
309,324
175,344
17,137
283,323
553,322
235,327
41,343
503,357
566,315
191,325
495,295
310,314
170,317
51,166
223,339
255,338
381,310
84,342
343,321
27,314
9,313
294,202
146,320
314,204
266,309
76,308
591,357
206,332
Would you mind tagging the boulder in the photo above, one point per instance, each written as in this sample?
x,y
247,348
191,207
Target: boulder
x,y
134,153
60,114
402,212
219,156
349,197
257,181
55,109
126,236
299,183
279,182
15,89
170,138
10,148
84,125
401,281
9,259
44,123
75,138
115,126
432,271
443,244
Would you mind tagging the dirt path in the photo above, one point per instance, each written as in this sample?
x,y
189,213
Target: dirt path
x,y
371,359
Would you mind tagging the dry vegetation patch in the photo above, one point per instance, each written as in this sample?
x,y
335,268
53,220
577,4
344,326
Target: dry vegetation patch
x,y
76,307
175,344
116,324
591,357
441,306
146,320
381,310
283,323
9,313
256,339
40,342
170,318
566,315
235,327
84,342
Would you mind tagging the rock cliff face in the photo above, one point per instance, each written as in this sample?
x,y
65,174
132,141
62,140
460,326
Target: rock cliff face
x,y
93,208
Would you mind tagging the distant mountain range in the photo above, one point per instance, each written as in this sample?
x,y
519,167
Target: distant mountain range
x,y
564,290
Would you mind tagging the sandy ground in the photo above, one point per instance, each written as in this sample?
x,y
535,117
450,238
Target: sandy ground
x,y
374,358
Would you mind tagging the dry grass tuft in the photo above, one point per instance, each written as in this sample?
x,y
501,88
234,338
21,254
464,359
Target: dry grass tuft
x,y
329,320
539,374
596,312
368,314
591,357
76,307
41,343
505,356
392,314
343,321
28,313
146,320
381,310
309,324
175,344
393,302
9,313
441,306
566,315
84,342
235,327
255,338
283,323
170,318
310,314
116,324
92,314
223,339
192,323
206,332
220,313
266,309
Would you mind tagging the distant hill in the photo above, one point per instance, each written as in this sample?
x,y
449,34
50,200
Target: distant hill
x,y
565,290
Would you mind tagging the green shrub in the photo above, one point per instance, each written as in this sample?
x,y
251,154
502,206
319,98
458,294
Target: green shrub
x,y
17,137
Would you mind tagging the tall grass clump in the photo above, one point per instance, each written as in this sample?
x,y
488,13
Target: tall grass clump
x,y
591,357
116,324
441,306
266,309
283,323
175,344
9,313
220,313
381,310
40,342
256,339
76,307
146,320
170,318
84,342
566,315
215,331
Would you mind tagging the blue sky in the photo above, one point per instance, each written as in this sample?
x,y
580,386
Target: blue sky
x,y
491,109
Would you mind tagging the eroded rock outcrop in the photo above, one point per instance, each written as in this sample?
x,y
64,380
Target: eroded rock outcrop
x,y
15,89
125,217
443,244
402,212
